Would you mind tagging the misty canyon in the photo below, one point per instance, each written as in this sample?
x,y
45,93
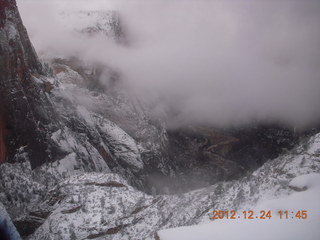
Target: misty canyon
x,y
126,119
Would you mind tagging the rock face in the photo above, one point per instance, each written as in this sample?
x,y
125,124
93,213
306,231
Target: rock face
x,y
62,127
24,116
43,120
95,23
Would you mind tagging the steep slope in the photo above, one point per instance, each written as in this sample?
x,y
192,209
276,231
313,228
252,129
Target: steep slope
x,y
25,112
47,133
95,23
104,206
41,123
289,217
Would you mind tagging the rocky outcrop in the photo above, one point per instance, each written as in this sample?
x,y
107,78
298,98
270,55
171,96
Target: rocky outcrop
x,y
26,116
95,23
41,123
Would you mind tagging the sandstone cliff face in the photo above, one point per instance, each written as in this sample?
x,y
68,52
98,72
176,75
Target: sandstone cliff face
x,y
24,119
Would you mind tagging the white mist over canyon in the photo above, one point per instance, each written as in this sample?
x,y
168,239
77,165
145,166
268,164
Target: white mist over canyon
x,y
200,62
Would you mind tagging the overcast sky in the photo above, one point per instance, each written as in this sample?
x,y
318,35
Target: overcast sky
x,y
202,62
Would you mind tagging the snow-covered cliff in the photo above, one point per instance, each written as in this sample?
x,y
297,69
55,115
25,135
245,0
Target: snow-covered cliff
x,y
104,206
81,159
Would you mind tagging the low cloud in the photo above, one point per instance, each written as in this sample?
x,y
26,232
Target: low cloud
x,y
222,63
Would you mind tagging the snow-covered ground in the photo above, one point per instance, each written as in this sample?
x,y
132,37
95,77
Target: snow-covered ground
x,y
104,206
289,183
288,226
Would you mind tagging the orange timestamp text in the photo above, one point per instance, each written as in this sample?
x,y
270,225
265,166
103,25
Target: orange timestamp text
x,y
263,214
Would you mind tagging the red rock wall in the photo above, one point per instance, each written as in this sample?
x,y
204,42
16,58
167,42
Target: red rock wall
x,y
4,6
28,120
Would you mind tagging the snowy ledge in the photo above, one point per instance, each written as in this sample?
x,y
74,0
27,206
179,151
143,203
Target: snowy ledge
x,y
293,226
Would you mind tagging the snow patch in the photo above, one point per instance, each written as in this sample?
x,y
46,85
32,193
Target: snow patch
x,y
11,31
85,115
293,227
309,181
